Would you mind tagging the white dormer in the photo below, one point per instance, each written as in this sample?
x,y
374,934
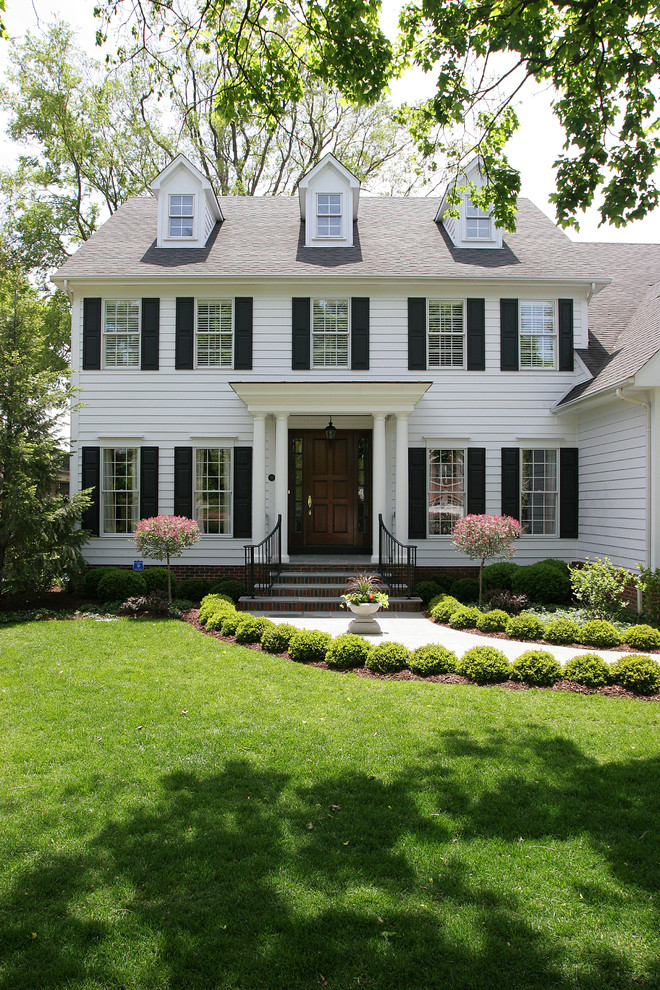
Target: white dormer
x,y
188,209
328,196
473,227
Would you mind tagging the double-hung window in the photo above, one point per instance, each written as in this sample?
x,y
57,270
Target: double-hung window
x,y
477,223
446,334
330,333
213,489
538,501
120,493
446,494
328,214
182,215
121,333
214,333
538,335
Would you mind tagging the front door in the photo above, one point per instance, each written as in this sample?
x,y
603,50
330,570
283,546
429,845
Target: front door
x,y
329,491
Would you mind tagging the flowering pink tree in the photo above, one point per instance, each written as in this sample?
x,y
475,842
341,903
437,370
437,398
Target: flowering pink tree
x,y
485,537
165,536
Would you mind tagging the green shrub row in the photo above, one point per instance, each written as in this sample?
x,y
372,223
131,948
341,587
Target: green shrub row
x,y
110,584
546,582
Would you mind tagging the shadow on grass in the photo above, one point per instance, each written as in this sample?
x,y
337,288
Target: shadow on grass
x,y
242,880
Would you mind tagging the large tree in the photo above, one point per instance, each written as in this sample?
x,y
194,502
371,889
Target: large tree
x,y
601,57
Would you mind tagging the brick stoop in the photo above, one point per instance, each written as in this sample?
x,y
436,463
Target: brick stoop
x,y
308,588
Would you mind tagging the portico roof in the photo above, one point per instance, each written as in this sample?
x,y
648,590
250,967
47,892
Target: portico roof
x,y
346,398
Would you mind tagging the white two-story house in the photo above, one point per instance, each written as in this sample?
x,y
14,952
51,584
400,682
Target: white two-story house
x,y
332,359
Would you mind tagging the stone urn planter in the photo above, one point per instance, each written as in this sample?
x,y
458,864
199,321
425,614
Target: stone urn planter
x,y
364,623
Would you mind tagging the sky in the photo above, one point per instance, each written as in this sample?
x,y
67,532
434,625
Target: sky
x,y
532,151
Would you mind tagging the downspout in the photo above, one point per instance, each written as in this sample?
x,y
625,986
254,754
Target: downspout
x,y
647,406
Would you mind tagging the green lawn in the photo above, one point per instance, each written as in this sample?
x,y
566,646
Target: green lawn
x,y
176,813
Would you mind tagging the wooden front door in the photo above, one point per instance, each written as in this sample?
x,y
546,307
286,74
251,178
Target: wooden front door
x,y
329,490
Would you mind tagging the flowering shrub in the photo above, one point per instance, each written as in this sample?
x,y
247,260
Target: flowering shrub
x,y
483,537
164,537
600,587
362,589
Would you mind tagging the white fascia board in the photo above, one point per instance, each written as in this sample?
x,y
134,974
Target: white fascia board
x,y
346,398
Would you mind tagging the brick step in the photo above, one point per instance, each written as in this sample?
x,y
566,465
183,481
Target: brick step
x,y
319,577
266,603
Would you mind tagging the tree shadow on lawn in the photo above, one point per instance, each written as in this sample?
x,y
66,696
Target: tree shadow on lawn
x,y
225,884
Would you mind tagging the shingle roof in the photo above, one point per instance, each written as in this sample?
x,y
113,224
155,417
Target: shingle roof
x,y
394,237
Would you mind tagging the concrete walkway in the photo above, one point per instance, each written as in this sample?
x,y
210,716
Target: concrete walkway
x,y
413,629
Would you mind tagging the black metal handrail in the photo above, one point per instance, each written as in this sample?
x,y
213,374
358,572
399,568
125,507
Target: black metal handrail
x,y
397,562
263,561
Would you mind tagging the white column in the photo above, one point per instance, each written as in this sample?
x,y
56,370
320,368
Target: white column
x,y
401,493
282,477
259,479
379,478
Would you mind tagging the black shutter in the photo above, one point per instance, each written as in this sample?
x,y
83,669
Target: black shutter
x,y
185,333
511,482
476,335
476,480
300,333
150,334
148,482
91,478
183,481
243,492
91,335
565,307
360,334
243,334
568,493
509,334
416,493
417,335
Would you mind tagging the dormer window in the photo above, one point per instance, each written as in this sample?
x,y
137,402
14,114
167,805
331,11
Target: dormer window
x,y
328,214
477,223
182,213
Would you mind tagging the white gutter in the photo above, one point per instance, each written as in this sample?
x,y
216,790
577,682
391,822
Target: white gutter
x,y
649,453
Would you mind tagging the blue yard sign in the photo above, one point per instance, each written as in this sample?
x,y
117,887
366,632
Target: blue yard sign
x,y
138,565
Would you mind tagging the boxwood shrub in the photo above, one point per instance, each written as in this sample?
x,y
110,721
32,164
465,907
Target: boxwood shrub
x,y
195,588
228,586
543,583
466,590
485,665
637,673
493,621
230,622
465,617
524,627
600,633
118,585
222,611
562,631
442,612
426,590
250,629
208,606
155,579
499,575
445,582
642,637
388,658
536,667
588,669
276,638
309,645
347,651
432,659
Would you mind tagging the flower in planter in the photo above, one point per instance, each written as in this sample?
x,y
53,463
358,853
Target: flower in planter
x,y
362,589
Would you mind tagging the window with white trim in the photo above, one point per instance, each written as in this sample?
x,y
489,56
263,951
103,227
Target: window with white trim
x,y
446,494
215,335
120,492
539,495
538,334
328,214
330,333
121,333
478,223
446,334
213,489
181,215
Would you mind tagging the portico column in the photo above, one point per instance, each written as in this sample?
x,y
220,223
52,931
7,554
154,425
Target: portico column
x,y
282,477
259,479
401,492
379,478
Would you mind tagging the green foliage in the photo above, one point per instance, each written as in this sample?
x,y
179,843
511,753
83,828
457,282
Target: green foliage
x,y
562,631
600,633
195,588
230,622
427,590
432,659
466,590
524,627
210,604
536,667
500,575
228,586
599,587
485,665
276,637
435,601
388,658
155,579
347,651
588,669
92,578
444,609
542,582
465,617
642,637
649,584
222,611
309,646
445,582
250,629
493,621
118,585
637,673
